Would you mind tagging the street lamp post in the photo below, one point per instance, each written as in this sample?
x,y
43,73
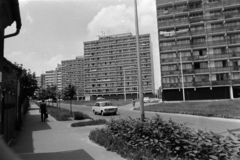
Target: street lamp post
x,y
183,91
124,81
139,64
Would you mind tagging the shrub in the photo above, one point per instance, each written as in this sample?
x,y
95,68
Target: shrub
x,y
165,139
89,123
80,116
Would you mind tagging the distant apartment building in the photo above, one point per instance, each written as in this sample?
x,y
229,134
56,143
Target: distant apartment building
x,y
111,66
39,81
199,40
50,78
73,73
58,75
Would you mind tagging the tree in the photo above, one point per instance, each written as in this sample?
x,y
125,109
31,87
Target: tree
x,y
70,92
29,83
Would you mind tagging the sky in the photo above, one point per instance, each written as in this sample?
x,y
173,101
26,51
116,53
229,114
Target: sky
x,y
54,30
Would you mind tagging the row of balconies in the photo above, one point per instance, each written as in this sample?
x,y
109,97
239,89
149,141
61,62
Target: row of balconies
x,y
93,66
192,32
174,46
114,71
114,58
117,76
119,45
202,70
195,19
207,5
210,57
116,90
118,41
201,84
119,50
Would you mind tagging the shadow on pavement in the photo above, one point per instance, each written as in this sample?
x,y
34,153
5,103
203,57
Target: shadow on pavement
x,y
66,155
23,140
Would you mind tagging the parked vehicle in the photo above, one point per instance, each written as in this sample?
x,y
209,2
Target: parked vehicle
x,y
100,98
146,100
104,107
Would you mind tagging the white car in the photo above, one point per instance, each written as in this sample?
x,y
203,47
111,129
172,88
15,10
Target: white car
x,y
104,107
146,100
100,98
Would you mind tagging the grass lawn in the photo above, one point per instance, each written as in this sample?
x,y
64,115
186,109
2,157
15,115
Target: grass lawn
x,y
226,109
90,123
120,102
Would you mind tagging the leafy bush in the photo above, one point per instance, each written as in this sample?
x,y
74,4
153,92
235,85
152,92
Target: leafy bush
x,y
165,139
89,123
80,116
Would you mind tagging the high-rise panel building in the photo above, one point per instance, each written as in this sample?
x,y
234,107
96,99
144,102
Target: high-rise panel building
x,y
199,43
73,73
111,66
50,78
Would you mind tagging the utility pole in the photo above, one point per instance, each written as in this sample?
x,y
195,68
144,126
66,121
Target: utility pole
x,y
183,91
139,64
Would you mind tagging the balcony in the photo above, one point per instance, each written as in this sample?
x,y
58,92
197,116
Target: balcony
x,y
169,60
188,71
220,69
166,73
220,83
201,70
203,83
216,30
235,81
233,41
171,85
235,68
218,56
171,47
216,43
234,55
213,4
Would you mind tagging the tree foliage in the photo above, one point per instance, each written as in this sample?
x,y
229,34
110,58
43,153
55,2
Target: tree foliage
x,y
69,91
28,82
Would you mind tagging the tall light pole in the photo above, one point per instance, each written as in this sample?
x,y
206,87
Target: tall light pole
x,y
139,64
124,81
183,92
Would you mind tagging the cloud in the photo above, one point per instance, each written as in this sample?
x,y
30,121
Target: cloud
x,y
29,18
121,19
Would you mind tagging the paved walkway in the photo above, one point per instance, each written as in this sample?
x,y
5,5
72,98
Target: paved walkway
x,y
55,140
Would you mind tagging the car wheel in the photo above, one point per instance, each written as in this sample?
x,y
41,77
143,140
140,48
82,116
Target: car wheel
x,y
115,113
102,113
94,112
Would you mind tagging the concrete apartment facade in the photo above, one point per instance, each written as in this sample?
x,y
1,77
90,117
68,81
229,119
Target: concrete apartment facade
x,y
111,67
202,36
50,78
73,73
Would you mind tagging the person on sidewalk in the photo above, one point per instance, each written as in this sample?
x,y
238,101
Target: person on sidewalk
x,y
133,102
43,110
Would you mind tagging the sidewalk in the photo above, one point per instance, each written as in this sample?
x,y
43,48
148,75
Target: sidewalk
x,y
55,140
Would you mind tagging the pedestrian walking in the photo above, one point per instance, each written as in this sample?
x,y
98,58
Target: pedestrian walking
x,y
43,110
133,102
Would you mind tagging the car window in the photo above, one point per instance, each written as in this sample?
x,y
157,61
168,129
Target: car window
x,y
97,104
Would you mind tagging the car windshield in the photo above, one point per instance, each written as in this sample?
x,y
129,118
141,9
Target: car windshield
x,y
106,104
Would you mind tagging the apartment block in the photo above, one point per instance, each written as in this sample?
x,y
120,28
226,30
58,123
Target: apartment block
x,y
50,78
111,66
199,42
73,73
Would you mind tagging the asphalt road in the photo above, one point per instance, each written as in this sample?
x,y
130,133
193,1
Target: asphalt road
x,y
217,125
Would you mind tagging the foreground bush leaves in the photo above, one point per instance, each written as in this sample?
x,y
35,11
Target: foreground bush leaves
x,y
157,139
